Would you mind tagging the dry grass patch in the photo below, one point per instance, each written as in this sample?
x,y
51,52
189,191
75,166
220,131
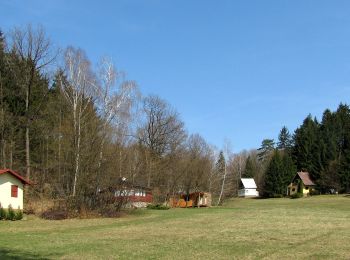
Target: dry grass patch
x,y
317,227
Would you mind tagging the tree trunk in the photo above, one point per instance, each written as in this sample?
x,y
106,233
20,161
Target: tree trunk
x,y
11,154
222,187
77,150
27,152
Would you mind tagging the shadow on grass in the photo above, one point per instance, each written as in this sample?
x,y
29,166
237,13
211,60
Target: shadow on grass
x,y
6,254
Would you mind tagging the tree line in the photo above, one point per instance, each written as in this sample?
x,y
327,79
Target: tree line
x,y
73,127
320,148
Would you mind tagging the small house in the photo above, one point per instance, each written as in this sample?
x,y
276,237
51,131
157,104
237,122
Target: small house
x,y
301,183
247,188
134,195
11,189
194,199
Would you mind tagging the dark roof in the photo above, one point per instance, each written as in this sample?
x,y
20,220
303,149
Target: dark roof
x,y
305,178
15,174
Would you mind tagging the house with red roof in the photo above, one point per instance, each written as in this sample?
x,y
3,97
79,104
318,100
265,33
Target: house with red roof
x,y
301,183
11,189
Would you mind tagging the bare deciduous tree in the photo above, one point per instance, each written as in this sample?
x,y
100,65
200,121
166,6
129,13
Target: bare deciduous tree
x,y
162,131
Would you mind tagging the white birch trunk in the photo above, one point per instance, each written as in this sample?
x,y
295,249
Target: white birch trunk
x,y
222,186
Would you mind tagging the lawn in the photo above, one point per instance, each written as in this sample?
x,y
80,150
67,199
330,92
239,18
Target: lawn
x,y
316,228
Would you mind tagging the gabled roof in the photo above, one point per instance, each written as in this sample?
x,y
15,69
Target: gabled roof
x,y
305,178
248,183
15,174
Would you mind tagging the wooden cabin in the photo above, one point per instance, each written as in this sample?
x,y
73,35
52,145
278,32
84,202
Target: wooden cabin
x,y
194,199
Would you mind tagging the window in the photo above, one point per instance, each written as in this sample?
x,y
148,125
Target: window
x,y
14,191
306,188
293,189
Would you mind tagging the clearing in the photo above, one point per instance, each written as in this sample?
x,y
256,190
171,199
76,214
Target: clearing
x,y
316,227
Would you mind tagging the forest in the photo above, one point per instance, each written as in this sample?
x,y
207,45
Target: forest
x,y
73,127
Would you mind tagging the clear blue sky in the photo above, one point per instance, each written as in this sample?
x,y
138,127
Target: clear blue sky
x,y
238,70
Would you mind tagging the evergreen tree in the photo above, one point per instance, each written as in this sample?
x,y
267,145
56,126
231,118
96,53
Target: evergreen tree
x,y
273,183
288,171
343,115
220,164
267,146
306,151
250,170
284,139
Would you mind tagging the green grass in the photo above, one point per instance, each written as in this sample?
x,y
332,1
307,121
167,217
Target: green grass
x,y
310,228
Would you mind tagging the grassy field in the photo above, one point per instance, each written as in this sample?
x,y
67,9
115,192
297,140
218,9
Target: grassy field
x,y
312,228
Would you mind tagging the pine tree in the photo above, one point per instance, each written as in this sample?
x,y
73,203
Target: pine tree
x,y
267,146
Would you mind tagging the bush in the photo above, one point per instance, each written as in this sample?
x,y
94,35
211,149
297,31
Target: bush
x,y
275,195
54,214
296,196
11,214
3,213
157,206
314,192
19,214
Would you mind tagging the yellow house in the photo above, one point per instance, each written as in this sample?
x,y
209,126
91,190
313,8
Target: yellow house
x,y
301,183
11,189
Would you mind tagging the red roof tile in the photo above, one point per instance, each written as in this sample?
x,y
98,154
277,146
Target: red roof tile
x,y
305,177
15,174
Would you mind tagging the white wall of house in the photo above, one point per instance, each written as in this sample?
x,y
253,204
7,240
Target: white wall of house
x,y
6,181
248,193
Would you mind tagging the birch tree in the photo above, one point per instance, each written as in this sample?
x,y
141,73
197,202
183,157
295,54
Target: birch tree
x,y
115,98
222,168
79,92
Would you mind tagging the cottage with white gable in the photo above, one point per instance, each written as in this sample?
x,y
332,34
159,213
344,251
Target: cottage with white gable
x,y
11,189
247,188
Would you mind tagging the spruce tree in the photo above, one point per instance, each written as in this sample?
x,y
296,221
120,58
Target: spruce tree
x,y
306,150
273,183
250,170
288,171
284,139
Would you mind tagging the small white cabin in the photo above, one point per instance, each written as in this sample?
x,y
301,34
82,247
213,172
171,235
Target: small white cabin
x,y
11,189
247,188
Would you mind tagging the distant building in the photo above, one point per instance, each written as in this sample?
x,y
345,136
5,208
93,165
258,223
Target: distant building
x,y
134,195
301,183
11,189
247,188
194,199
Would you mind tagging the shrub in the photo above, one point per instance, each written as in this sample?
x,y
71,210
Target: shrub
x,y
296,196
3,213
54,214
314,192
157,206
19,214
11,214
275,195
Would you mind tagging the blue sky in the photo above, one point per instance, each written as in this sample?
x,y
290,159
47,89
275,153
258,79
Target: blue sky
x,y
236,70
